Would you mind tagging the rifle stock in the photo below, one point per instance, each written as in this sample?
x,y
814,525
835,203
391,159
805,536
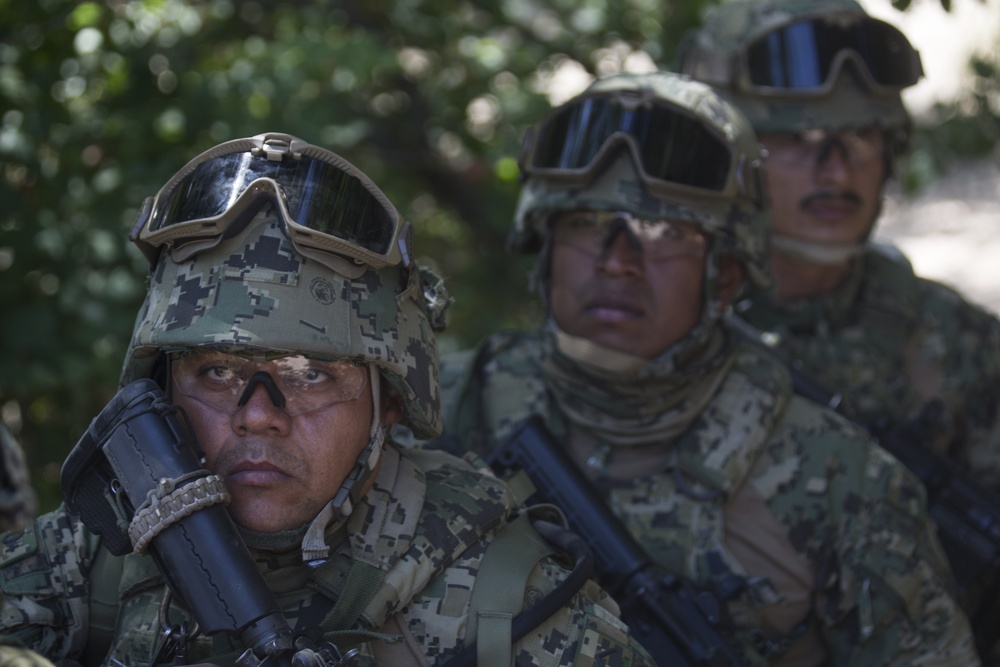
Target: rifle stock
x,y
131,451
677,624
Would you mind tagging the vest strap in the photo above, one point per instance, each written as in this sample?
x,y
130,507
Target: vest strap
x,y
363,580
498,593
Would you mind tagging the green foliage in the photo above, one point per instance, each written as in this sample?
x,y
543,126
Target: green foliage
x,y
968,129
101,102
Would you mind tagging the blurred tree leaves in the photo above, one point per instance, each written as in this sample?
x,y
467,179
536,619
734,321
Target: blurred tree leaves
x,y
101,102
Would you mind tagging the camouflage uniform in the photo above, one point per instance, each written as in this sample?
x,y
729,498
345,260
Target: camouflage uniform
x,y
422,529
17,507
397,571
899,348
911,359
707,455
17,498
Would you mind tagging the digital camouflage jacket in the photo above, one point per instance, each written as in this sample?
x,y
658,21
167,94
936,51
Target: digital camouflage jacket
x,y
899,348
828,533
423,530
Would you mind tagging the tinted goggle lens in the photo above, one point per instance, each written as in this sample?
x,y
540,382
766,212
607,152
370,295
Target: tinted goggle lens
x,y
673,148
317,195
219,379
595,231
803,55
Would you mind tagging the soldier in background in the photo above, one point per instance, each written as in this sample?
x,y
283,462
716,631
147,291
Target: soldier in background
x,y
820,82
644,200
909,358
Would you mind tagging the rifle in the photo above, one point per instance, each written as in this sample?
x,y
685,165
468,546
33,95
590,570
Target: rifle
x,y
967,516
676,623
135,455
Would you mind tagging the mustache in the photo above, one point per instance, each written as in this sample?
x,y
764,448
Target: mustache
x,y
849,196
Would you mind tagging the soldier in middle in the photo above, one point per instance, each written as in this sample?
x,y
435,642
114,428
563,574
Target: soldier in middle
x,y
645,203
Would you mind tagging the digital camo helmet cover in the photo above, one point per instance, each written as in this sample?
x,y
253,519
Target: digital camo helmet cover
x,y
714,53
254,290
737,219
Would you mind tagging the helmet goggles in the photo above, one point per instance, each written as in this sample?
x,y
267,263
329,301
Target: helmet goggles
x,y
805,56
296,383
674,152
332,211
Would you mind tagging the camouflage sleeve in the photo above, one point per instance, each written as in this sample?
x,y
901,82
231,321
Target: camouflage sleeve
x,y
17,498
886,592
965,339
43,576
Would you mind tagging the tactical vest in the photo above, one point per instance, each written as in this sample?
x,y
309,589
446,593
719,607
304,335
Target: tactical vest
x,y
674,497
128,592
859,340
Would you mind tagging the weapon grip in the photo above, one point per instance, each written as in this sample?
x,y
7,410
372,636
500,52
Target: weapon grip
x,y
664,617
137,442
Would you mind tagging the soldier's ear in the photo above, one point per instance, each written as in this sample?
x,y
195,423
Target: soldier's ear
x,y
731,277
392,404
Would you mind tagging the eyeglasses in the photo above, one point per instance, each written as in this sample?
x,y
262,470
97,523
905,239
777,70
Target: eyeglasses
x,y
328,205
595,231
221,380
858,147
675,151
806,56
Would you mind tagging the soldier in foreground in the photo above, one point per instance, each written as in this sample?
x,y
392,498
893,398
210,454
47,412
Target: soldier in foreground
x,y
644,201
912,360
285,330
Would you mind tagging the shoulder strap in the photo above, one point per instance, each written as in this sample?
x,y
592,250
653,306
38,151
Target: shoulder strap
x,y
105,575
498,592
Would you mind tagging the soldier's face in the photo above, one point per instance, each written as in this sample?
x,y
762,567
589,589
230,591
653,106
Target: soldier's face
x,y
825,188
624,296
281,470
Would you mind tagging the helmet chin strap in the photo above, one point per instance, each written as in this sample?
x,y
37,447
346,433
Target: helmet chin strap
x,y
827,254
314,546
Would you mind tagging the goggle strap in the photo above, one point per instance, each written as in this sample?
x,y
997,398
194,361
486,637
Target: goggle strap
x,y
715,68
148,250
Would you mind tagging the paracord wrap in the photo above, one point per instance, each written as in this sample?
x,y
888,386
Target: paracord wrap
x,y
172,500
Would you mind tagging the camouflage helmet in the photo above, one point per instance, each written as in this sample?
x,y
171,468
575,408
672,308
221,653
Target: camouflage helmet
x,y
750,50
261,287
701,165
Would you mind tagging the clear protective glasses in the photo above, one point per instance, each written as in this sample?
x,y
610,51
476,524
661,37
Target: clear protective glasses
x,y
674,150
296,383
806,55
814,147
328,205
594,232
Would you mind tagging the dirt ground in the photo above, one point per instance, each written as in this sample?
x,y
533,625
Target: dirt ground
x,y
951,231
